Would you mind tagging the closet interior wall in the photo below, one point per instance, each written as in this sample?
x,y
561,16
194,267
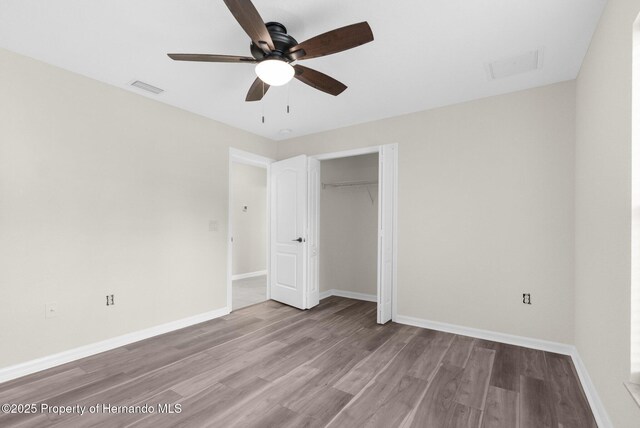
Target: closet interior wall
x,y
349,224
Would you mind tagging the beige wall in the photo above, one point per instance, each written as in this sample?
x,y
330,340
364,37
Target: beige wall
x,y
349,226
603,209
103,191
249,188
485,209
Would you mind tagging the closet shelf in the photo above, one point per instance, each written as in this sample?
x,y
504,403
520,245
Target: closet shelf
x,y
349,183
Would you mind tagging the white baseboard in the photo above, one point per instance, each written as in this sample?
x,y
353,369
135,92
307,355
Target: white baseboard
x,y
527,342
599,412
23,369
248,275
325,294
349,295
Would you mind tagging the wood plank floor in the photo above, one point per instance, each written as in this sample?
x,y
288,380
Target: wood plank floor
x,y
270,365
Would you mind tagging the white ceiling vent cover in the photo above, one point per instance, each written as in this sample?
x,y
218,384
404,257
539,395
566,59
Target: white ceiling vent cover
x,y
147,87
517,64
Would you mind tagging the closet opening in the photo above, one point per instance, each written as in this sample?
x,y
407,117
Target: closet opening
x,y
349,224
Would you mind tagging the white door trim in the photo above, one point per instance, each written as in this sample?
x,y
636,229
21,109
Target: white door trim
x,y
387,228
314,185
394,291
247,158
394,201
348,153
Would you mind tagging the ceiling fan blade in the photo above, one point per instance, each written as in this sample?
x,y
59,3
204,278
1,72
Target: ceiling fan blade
x,y
211,58
257,90
249,19
334,41
318,80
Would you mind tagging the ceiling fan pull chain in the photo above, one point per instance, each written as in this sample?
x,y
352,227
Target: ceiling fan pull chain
x,y
262,104
288,98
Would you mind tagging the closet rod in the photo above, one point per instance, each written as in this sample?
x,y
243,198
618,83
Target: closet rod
x,y
349,183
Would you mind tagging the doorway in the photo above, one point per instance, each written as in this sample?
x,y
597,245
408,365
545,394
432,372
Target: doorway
x,y
349,227
387,218
248,230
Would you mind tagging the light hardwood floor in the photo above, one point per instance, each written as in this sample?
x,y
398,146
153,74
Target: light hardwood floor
x,y
270,365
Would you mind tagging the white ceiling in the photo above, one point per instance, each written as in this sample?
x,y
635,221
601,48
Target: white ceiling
x,y
426,53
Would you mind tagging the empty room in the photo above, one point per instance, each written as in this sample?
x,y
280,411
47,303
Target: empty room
x,y
252,213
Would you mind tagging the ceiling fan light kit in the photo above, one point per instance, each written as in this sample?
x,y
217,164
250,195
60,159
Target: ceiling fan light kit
x,y
274,51
275,72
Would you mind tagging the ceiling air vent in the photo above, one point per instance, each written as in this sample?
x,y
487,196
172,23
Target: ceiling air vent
x,y
517,64
147,87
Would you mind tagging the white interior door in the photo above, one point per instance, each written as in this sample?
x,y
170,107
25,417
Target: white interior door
x,y
289,204
386,232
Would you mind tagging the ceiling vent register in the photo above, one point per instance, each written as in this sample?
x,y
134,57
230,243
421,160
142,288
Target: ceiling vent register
x,y
517,64
147,87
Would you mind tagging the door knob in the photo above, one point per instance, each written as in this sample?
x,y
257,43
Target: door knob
x,y
298,240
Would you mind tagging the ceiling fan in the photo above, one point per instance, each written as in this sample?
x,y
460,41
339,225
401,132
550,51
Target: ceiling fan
x,y
273,50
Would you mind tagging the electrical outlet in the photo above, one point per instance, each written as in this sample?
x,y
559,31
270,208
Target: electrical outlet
x,y
526,298
110,301
51,310
213,225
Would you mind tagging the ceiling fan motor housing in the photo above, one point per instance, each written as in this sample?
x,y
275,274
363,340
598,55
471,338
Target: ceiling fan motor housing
x,y
281,41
